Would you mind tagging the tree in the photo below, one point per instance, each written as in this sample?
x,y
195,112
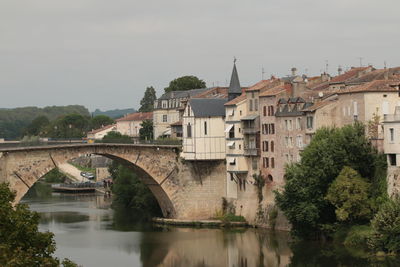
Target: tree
x,y
100,121
349,193
21,243
185,83
116,137
37,126
129,192
147,102
386,227
69,126
146,132
303,197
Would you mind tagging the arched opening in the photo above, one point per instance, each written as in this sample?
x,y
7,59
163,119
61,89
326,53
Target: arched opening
x,y
270,178
163,200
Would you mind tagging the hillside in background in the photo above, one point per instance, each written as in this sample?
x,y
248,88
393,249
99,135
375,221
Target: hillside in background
x,y
115,113
14,121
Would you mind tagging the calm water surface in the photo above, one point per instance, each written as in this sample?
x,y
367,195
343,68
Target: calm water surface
x,y
88,232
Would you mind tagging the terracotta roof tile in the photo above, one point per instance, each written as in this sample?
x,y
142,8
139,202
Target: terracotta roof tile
x,y
352,73
137,116
373,86
236,100
276,90
320,104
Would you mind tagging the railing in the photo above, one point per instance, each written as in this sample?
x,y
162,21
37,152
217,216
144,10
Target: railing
x,y
253,130
391,117
251,151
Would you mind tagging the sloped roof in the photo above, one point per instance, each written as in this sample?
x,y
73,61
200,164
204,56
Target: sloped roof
x,y
378,74
275,90
352,73
208,107
234,86
183,94
374,86
320,104
137,116
236,100
101,129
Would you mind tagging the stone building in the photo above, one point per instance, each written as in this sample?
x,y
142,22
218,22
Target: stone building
x,y
98,134
168,109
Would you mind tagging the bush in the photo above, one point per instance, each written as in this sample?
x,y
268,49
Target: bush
x,y
386,228
229,217
54,176
358,236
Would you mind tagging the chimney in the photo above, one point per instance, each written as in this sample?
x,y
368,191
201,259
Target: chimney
x,y
325,77
386,74
293,71
339,70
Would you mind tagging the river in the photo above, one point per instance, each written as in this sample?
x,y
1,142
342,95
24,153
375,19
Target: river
x,y
90,233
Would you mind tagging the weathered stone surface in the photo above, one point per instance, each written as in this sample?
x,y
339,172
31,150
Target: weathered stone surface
x,y
184,190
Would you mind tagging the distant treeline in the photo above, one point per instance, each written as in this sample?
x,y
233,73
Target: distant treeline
x,y
13,122
115,113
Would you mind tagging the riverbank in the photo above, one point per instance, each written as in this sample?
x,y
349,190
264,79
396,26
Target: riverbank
x,y
199,223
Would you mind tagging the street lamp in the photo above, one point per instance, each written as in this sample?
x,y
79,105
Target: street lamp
x,y
70,127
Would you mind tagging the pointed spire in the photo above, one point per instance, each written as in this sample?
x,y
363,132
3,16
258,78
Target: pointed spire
x,y
234,87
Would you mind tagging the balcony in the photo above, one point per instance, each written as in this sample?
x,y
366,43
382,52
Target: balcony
x,y
251,130
251,151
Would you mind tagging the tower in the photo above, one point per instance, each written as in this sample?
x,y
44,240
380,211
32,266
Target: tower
x,y
234,87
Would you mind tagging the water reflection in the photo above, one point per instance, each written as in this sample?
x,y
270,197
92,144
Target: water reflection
x,y
90,233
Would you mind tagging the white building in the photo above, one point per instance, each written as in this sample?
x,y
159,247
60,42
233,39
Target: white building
x,y
203,129
131,124
101,132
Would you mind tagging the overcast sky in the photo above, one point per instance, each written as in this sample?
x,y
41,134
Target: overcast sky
x,y
103,54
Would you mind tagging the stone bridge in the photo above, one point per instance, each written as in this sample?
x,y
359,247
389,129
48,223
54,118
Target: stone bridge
x,y
183,189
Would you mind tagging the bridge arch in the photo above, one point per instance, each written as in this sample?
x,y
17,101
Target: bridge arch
x,y
156,166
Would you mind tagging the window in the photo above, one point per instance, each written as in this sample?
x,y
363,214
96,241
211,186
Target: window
x,y
256,104
205,128
272,162
251,104
290,125
298,123
188,111
165,118
310,122
189,130
240,112
272,111
254,164
272,146
265,111
240,146
391,132
287,141
266,145
232,132
392,159
299,141
272,128
286,125
290,141
266,162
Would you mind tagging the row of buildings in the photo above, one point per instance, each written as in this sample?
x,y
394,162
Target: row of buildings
x,y
261,128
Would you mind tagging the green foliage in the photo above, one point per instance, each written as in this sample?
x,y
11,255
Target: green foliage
x,y
68,126
259,183
21,243
386,228
147,102
115,137
37,126
100,121
229,217
13,122
349,193
30,140
303,199
146,132
358,236
54,176
185,83
114,113
130,192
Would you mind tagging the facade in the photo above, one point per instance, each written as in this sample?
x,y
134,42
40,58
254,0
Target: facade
x,y
167,109
101,132
203,129
131,124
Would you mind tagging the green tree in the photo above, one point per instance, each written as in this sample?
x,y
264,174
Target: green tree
x,y
116,137
129,192
37,126
303,197
21,243
185,83
386,227
146,132
147,102
349,193
100,121
69,126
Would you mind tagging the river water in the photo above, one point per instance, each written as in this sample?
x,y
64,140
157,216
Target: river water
x,y
90,233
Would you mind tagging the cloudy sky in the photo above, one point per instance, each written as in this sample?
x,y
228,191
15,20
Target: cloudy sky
x,y
103,54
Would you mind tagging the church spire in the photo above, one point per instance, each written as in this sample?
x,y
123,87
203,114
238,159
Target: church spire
x,y
234,87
